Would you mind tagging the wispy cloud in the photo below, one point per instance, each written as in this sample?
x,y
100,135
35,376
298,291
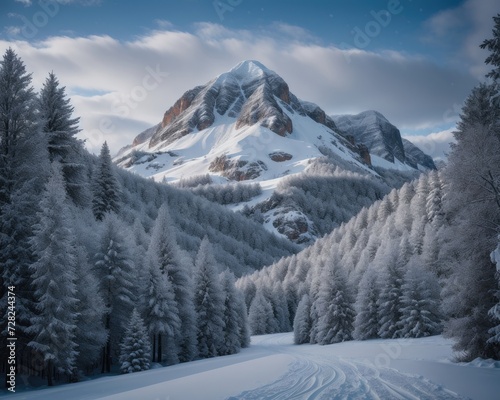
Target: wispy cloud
x,y
436,144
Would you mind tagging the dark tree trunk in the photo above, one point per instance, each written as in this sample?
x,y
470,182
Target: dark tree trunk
x,y
154,348
159,357
49,373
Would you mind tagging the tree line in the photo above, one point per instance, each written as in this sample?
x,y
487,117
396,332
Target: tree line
x,y
111,271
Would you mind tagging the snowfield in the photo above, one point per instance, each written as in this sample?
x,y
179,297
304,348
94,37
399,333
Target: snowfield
x,y
274,368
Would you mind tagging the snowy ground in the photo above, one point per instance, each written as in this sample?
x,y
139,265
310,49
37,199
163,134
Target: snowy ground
x,y
273,368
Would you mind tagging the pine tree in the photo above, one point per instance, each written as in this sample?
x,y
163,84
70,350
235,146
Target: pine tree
x,y
389,302
280,307
164,248
260,315
209,303
90,334
335,305
114,270
105,190
302,321
494,311
54,280
367,317
244,325
61,130
135,348
473,203
493,45
161,314
232,309
24,170
420,302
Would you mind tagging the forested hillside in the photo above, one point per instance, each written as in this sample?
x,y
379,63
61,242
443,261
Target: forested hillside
x,y
88,251
421,261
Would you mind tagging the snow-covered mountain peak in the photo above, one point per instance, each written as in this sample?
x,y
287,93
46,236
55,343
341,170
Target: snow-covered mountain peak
x,y
240,116
249,70
382,138
246,125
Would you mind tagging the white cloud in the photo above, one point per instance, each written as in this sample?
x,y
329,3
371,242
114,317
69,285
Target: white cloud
x,y
26,3
127,97
467,26
436,144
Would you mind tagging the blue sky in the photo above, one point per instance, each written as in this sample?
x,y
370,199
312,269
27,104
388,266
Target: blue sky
x,y
125,62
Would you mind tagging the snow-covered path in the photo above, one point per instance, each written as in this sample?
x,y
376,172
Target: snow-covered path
x,y
274,368
318,373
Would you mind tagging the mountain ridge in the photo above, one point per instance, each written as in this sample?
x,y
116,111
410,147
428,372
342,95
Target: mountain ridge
x,y
245,125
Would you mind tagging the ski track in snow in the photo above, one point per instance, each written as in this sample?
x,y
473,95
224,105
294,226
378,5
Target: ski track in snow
x,y
315,376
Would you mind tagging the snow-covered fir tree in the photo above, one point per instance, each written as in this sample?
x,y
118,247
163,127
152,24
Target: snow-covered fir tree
x,y
367,324
161,314
233,307
164,249
114,269
24,170
54,276
420,315
302,321
494,311
105,187
90,334
135,349
61,129
335,305
260,315
209,303
473,201
389,302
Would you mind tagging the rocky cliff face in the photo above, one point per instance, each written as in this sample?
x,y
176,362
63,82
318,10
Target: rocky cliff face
x,y
374,131
416,157
250,93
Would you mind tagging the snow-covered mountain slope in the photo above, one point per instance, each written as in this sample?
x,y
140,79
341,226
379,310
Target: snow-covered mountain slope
x,y
246,126
383,139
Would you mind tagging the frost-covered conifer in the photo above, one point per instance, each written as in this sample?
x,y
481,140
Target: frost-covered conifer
x,y
367,317
494,311
232,309
24,170
209,303
420,302
161,314
389,303
335,305
302,321
163,247
61,130
90,334
54,276
116,275
135,348
105,187
260,315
